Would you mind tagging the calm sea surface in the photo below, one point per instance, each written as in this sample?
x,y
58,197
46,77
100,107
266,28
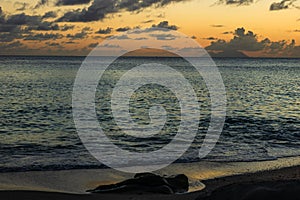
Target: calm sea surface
x,y
37,131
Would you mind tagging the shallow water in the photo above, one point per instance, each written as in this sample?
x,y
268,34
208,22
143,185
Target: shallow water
x,y
37,131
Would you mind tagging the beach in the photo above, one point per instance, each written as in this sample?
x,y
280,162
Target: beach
x,y
208,180
42,156
149,99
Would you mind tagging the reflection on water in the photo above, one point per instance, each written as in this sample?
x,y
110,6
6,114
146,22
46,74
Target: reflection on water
x,y
37,129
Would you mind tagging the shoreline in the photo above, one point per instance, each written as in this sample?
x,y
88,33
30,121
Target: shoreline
x,y
208,178
218,188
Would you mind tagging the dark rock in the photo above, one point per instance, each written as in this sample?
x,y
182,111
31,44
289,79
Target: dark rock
x,y
179,183
147,183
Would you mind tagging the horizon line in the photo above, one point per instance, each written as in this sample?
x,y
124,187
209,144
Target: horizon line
x,y
132,56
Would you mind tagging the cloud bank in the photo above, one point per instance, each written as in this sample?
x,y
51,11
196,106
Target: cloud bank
x,y
284,4
248,42
71,2
235,2
99,9
165,24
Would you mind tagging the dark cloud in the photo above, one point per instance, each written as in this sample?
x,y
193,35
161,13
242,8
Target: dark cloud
x,y
8,28
9,36
93,45
162,15
297,30
42,36
123,29
163,36
279,6
101,37
67,27
165,24
210,38
50,14
241,41
130,5
295,52
81,35
41,3
31,22
217,25
235,2
138,30
282,48
104,31
274,47
136,5
284,4
141,38
227,32
147,21
44,26
13,45
87,29
120,37
53,44
71,2
20,6
8,31
23,19
99,9
77,36
247,41
110,46
2,17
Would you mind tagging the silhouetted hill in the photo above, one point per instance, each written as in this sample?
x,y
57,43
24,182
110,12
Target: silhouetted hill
x,y
229,54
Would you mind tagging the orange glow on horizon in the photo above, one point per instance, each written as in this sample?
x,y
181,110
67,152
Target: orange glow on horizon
x,y
202,19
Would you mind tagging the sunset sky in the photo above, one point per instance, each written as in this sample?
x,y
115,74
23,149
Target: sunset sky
x,y
264,28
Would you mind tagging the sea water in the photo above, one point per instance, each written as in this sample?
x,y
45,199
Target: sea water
x,y
37,130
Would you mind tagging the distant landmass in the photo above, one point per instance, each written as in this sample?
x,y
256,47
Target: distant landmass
x,y
148,52
228,54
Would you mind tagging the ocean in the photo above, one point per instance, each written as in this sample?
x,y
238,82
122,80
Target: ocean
x,y
37,130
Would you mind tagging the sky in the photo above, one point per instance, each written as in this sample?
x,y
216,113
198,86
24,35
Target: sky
x,y
229,28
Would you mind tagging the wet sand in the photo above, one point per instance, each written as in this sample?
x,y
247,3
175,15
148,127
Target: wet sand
x,y
256,180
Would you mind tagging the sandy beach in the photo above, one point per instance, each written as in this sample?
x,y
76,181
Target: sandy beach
x,y
268,180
